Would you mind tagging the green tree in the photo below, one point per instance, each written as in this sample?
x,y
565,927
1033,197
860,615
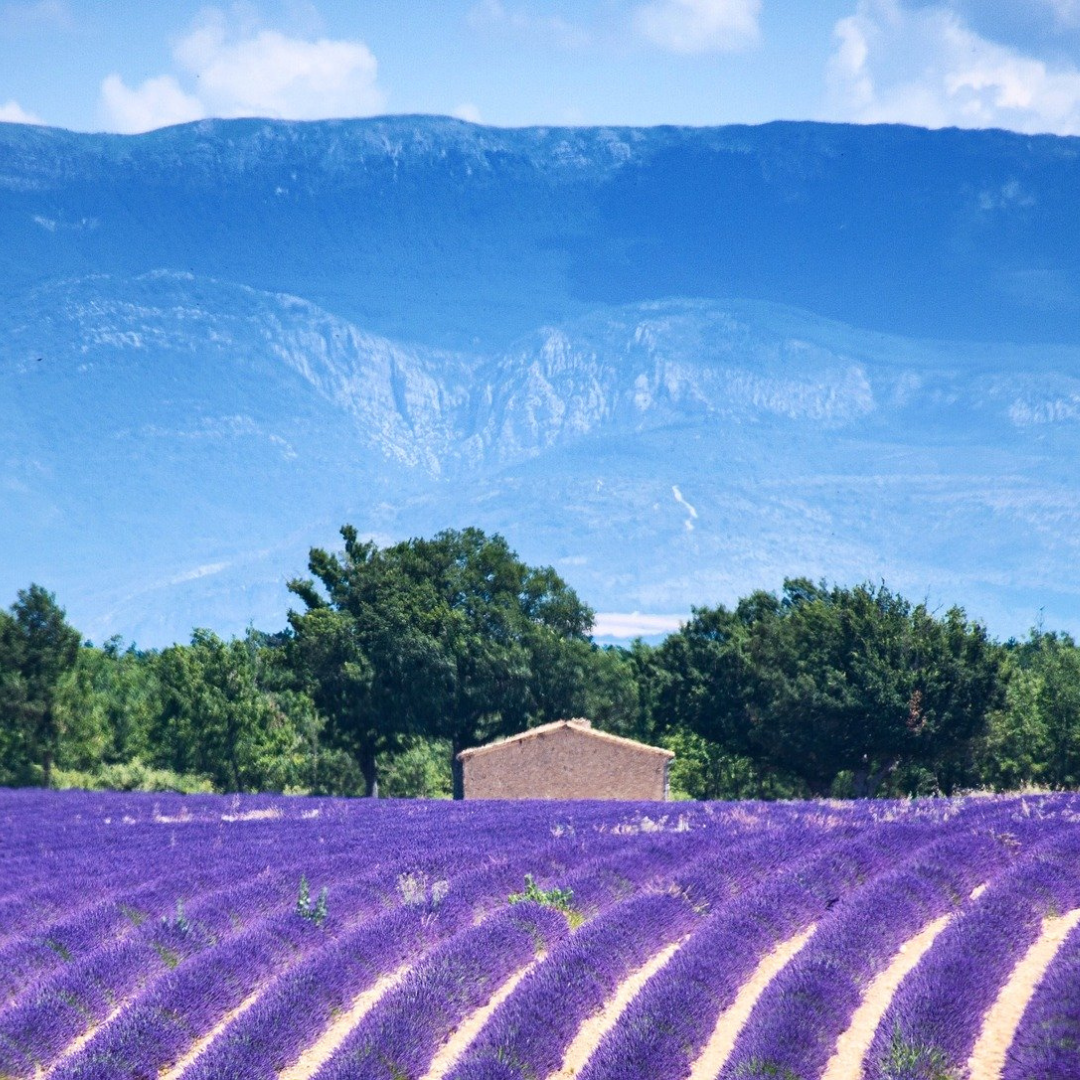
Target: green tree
x,y
450,638
513,640
843,689
1034,738
218,721
109,706
364,650
38,651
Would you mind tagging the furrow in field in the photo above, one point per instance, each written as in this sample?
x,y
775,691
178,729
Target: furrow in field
x,y
733,1019
936,1017
530,1034
200,1046
312,1059
402,1035
666,1028
74,1047
460,1041
599,1024
1046,1046
80,997
987,1060
275,1032
852,1046
804,1012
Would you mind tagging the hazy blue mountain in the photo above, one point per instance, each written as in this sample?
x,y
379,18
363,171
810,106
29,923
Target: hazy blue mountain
x,y
676,363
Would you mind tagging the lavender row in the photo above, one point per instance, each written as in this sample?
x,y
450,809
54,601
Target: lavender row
x,y
519,1040
213,914
402,1034
1047,1043
273,1033
35,1032
214,902
934,1020
159,1028
667,1025
806,1008
530,1032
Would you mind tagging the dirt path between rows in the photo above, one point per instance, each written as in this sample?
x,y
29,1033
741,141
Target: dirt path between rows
x,y
999,1025
733,1019
200,1046
851,1048
473,1024
320,1051
599,1024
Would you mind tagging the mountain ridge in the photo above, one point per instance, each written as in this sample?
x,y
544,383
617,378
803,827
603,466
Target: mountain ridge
x,y
199,380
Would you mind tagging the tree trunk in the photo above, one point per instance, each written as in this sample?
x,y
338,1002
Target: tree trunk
x,y
371,776
866,783
46,768
457,771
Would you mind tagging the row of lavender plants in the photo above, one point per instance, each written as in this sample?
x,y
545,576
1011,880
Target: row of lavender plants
x,y
274,1033
161,915
1047,1043
935,1019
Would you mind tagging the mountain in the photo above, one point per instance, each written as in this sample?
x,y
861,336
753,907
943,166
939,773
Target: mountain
x,y
677,364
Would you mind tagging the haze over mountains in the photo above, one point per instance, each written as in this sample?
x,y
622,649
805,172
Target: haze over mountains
x,y
677,364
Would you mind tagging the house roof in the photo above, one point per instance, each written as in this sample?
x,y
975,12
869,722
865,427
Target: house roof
x,y
578,725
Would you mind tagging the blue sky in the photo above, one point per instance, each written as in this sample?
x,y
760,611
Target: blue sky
x,y
136,65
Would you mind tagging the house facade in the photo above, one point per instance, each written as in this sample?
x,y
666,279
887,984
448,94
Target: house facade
x,y
566,760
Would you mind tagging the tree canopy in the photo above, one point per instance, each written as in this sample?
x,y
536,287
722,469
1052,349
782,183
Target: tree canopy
x,y
400,656
454,636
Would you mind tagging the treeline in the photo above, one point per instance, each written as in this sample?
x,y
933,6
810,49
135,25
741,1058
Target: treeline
x,y
396,658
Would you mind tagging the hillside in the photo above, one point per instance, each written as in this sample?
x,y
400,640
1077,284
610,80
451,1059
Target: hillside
x,y
676,363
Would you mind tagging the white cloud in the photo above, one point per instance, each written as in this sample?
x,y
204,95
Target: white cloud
x,y
11,112
252,72
1066,12
469,112
40,15
926,66
156,103
207,570
269,74
615,624
494,14
699,26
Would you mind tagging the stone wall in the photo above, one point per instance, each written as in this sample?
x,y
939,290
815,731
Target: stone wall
x,y
565,761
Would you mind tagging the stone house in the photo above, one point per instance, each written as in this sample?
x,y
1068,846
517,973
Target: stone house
x,y
566,760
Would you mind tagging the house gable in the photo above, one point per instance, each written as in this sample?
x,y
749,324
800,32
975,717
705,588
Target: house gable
x,y
566,760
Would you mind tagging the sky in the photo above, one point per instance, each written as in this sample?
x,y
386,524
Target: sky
x,y
107,65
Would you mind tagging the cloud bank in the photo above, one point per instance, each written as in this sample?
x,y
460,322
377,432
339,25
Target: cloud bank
x,y
927,66
254,72
614,624
11,112
699,26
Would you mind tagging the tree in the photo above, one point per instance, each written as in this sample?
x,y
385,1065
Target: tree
x,y
841,688
219,722
513,640
1035,737
452,637
38,650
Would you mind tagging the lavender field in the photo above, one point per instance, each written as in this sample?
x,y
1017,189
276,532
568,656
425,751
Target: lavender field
x,y
269,938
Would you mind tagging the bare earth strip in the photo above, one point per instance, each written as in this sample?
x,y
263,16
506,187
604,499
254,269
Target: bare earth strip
x,y
733,1019
462,1038
200,1045
319,1052
851,1048
74,1047
999,1026
598,1025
